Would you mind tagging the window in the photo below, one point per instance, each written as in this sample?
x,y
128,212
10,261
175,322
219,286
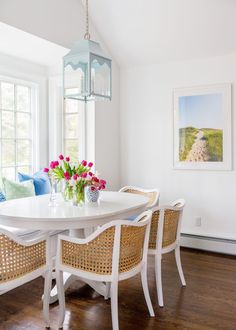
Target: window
x,y
16,127
74,129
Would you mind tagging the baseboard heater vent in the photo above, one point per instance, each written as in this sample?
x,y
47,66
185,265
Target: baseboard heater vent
x,y
208,243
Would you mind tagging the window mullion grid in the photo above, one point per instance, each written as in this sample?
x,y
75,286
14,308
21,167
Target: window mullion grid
x,y
18,111
15,138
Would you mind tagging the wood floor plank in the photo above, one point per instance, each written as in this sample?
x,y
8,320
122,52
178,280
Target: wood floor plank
x,y
207,303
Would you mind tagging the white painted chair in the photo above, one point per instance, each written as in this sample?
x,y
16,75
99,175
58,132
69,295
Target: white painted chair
x,y
114,252
152,194
22,261
164,238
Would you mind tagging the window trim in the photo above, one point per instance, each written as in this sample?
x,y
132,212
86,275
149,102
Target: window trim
x,y
55,115
81,138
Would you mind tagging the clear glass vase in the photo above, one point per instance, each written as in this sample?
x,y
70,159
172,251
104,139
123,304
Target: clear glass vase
x,y
67,191
79,196
53,196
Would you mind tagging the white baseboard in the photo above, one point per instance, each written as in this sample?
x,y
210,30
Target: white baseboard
x,y
207,243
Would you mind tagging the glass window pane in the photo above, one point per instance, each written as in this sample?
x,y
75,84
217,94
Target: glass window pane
x,y
23,98
71,105
7,92
24,169
23,129
8,152
71,126
23,152
72,149
8,125
9,173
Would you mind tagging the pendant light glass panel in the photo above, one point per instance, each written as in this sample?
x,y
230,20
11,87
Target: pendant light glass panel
x,y
87,73
75,76
100,76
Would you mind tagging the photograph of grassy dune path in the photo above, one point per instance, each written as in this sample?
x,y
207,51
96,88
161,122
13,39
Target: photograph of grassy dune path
x,y
200,128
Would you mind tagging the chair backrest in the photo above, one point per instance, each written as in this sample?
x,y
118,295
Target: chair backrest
x,y
114,248
152,194
166,225
178,203
134,242
19,258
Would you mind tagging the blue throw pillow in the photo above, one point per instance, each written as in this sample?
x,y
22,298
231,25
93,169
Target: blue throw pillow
x,y
2,197
41,182
132,217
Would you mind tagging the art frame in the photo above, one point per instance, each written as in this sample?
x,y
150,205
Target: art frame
x,y
202,127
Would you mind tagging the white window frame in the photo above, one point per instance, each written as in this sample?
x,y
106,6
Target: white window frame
x,y
81,122
56,123
34,106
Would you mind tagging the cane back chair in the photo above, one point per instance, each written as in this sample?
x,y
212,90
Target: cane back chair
x,y
164,238
22,261
114,252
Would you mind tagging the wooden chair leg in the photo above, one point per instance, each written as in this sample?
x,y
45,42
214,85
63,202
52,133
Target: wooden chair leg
x,y
159,280
114,305
61,297
146,290
46,297
179,265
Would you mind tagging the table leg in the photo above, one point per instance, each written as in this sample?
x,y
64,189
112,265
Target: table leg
x,y
68,279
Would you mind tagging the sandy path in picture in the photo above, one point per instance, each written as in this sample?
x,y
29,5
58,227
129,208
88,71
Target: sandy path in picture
x,y
199,152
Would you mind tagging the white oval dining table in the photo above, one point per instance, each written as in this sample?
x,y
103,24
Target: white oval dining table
x,y
35,213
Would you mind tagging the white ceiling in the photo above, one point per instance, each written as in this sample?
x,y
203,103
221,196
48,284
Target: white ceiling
x,y
29,47
140,32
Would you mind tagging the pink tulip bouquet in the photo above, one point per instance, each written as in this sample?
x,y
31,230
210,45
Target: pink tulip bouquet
x,y
75,176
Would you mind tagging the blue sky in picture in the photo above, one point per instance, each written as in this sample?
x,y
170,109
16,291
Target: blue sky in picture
x,y
201,111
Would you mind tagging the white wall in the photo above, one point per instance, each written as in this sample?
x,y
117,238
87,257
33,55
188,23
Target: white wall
x,y
63,22
147,142
107,130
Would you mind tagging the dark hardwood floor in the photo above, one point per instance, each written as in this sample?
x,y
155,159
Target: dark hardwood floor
x,y
208,301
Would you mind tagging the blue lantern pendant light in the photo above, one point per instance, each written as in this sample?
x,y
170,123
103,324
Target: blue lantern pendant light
x,y
86,70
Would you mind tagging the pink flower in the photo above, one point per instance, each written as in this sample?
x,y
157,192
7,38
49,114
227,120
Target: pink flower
x,y
93,188
46,170
95,179
67,176
84,175
67,159
84,163
90,173
103,182
61,157
90,164
101,187
52,165
75,176
56,163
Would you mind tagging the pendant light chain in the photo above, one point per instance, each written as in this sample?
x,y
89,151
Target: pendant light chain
x,y
87,34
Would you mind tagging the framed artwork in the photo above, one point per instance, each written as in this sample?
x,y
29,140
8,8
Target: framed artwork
x,y
202,127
